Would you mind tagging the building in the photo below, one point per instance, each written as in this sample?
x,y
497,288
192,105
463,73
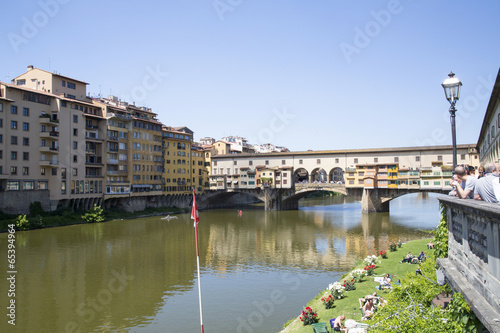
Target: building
x,y
62,148
488,144
43,142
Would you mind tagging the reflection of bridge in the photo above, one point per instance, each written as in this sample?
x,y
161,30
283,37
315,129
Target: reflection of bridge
x,y
372,199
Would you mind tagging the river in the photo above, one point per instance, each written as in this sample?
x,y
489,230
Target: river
x,y
257,270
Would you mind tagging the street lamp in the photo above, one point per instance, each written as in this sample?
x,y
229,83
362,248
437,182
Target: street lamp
x,y
451,88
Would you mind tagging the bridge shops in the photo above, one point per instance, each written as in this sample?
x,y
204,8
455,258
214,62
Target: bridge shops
x,y
425,168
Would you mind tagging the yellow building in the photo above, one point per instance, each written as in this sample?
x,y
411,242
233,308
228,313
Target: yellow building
x,y
177,173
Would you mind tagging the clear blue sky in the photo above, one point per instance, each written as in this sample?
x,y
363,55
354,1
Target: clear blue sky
x,y
321,74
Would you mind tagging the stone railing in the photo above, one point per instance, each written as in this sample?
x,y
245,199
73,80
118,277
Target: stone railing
x,y
473,263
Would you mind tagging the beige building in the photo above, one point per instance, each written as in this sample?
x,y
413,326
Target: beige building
x,y
489,137
43,141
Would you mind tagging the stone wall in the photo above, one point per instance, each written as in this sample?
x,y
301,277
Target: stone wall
x,y
18,202
473,263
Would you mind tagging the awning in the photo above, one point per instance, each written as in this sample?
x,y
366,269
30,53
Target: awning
x,y
141,186
235,182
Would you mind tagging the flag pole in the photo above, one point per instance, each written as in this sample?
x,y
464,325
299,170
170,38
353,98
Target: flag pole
x,y
195,217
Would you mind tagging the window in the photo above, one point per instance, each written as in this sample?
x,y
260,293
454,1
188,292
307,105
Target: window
x,y
63,187
283,162
26,171
29,185
355,161
75,172
26,141
1,109
71,85
13,140
250,163
462,157
26,126
54,172
13,155
417,158
318,161
13,124
13,109
13,170
1,122
26,112
75,118
336,160
267,162
64,104
235,162
75,131
43,185
63,83
75,144
440,157
42,171
396,159
26,156
375,160
75,158
12,186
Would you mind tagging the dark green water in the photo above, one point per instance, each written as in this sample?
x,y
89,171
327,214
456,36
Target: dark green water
x,y
257,270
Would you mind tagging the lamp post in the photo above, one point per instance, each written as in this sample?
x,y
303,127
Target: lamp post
x,y
451,88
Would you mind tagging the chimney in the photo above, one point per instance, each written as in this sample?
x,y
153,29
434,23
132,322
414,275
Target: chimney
x,y
30,67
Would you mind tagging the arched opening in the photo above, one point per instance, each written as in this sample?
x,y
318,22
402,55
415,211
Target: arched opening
x,y
301,176
336,175
319,176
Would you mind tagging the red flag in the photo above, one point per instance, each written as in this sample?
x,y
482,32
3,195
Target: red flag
x,y
194,211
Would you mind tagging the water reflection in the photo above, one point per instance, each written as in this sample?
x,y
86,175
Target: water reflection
x,y
139,275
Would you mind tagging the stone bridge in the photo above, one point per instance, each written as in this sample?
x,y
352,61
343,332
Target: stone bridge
x,y
372,199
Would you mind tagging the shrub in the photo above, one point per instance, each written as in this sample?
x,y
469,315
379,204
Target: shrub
x,y
309,316
93,215
328,301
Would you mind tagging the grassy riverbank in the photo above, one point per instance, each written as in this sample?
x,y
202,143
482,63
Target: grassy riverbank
x,y
39,219
414,288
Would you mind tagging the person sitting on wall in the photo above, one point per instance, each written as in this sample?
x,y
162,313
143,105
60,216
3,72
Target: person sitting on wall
x,y
484,186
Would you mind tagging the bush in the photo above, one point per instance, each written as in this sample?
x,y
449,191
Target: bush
x,y
94,215
36,208
22,223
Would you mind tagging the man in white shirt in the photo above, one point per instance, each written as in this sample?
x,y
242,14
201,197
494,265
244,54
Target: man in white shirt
x,y
484,185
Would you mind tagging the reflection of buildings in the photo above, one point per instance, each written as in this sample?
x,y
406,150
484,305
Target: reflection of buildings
x,y
61,270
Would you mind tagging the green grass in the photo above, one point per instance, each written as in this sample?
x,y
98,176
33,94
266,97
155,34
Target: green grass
x,y
349,305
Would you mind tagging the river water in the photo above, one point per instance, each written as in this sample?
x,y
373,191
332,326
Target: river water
x,y
257,270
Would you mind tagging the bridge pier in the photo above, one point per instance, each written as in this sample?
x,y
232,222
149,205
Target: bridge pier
x,y
373,201
274,199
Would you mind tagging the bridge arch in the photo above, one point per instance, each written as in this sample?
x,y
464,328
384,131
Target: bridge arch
x,y
319,175
336,175
301,175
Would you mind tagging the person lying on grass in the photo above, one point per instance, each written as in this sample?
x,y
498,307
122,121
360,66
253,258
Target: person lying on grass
x,y
373,297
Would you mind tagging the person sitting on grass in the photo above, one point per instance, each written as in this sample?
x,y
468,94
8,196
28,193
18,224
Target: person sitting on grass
x,y
408,258
385,283
430,245
368,310
338,327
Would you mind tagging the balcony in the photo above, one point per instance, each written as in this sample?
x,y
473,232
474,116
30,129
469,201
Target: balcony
x,y
113,138
93,160
49,162
112,161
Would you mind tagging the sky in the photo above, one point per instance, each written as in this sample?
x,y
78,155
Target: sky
x,y
320,75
